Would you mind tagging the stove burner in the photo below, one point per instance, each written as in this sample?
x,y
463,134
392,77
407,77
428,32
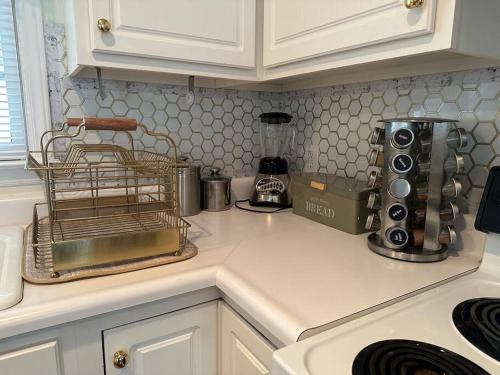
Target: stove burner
x,y
478,320
406,357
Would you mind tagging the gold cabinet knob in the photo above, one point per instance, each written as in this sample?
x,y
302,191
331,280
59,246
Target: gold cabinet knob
x,y
413,4
120,359
104,25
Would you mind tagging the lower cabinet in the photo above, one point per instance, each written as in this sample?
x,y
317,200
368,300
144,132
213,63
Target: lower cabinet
x,y
208,338
41,359
179,343
185,342
243,351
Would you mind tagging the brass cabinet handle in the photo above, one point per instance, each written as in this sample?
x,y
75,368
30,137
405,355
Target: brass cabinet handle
x,y
413,4
104,25
120,359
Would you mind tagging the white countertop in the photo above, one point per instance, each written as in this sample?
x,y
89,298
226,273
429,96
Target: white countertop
x,y
288,273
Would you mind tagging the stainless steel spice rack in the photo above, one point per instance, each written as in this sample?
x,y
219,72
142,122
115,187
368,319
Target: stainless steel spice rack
x,y
414,202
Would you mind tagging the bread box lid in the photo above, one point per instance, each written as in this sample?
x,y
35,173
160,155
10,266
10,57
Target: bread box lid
x,y
346,187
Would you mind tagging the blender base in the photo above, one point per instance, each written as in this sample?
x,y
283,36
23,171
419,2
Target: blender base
x,y
410,254
277,196
272,184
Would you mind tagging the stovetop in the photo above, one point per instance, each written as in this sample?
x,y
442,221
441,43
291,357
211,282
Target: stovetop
x,y
427,318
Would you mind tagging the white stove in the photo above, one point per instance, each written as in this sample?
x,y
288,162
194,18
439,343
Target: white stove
x,y
415,323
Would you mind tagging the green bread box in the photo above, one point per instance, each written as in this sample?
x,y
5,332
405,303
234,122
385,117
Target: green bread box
x,y
335,201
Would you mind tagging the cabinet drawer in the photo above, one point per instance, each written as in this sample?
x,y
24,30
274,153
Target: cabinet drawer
x,y
243,350
179,343
42,359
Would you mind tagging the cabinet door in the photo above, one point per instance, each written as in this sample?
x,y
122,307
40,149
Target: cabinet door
x,y
40,359
295,30
243,351
218,32
180,343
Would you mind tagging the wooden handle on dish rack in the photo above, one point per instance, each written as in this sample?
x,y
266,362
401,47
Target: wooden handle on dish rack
x,y
94,123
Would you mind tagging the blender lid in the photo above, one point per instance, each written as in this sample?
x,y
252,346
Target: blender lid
x,y
275,118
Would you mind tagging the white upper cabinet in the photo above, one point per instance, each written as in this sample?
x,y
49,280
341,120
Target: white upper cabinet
x,y
294,32
233,42
213,38
365,40
214,32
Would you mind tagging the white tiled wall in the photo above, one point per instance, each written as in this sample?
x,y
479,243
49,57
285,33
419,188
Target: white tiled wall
x,y
220,128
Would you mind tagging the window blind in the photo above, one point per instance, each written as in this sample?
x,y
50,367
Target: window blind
x,y
12,130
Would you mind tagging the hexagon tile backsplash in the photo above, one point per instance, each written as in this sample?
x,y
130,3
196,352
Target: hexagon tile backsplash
x,y
338,120
217,130
221,127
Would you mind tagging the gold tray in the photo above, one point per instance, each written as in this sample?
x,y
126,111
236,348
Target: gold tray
x,y
124,234
44,274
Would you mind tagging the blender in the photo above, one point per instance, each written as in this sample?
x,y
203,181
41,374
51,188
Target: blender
x,y
272,183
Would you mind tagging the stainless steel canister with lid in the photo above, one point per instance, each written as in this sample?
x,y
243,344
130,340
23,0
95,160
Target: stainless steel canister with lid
x,y
188,186
216,191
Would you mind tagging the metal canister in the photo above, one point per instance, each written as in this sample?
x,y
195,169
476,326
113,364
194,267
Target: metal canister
x,y
188,187
216,191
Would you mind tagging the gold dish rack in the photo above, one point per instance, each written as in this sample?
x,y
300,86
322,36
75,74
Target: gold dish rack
x,y
106,204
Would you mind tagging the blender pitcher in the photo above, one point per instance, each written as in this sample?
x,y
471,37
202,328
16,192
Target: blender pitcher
x,y
276,135
272,183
